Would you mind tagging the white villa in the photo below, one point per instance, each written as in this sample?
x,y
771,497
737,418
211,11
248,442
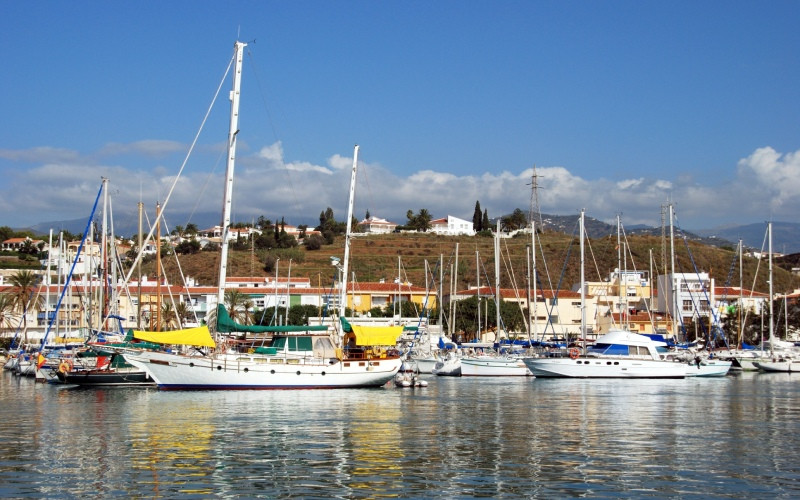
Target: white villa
x,y
376,225
452,226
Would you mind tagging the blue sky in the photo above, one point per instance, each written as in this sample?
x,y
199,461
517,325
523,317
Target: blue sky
x,y
621,105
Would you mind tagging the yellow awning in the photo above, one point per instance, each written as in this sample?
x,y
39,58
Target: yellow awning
x,y
377,335
199,336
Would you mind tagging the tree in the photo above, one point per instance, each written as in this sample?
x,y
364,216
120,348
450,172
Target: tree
x,y
183,312
313,242
6,233
298,314
7,308
29,247
169,317
23,286
366,216
191,229
187,247
421,221
239,306
476,218
485,224
517,220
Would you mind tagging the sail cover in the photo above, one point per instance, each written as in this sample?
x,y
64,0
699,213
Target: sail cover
x,y
199,336
376,335
225,324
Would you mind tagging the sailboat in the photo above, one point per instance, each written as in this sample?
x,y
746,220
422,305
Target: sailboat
x,y
781,361
299,357
617,354
485,361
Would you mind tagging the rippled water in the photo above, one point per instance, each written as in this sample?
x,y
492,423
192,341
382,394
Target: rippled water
x,y
731,437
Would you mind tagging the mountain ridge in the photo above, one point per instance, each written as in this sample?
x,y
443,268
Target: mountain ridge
x,y
785,235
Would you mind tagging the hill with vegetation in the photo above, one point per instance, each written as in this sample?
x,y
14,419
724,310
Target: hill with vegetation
x,y
408,255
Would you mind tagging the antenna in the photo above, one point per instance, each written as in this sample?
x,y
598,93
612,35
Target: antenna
x,y
534,210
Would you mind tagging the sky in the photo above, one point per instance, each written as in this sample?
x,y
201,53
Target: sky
x,y
620,106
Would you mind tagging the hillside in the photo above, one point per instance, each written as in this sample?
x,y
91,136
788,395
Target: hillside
x,y
377,257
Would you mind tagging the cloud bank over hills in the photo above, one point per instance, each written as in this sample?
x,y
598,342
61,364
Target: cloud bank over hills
x,y
51,184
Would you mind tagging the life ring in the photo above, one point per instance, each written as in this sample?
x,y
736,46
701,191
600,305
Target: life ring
x,y
574,353
65,367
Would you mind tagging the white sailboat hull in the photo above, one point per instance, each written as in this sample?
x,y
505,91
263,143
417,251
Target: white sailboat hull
x,y
708,368
493,367
779,365
245,371
448,367
584,367
425,365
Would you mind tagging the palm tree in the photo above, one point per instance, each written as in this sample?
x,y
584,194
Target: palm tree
x,y
23,285
183,312
239,307
169,318
7,316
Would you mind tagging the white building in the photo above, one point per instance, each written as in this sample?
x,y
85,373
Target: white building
x,y
376,225
685,296
452,226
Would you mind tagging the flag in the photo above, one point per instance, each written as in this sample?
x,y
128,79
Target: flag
x,y
40,360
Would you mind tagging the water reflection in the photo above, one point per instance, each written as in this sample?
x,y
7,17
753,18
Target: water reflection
x,y
455,438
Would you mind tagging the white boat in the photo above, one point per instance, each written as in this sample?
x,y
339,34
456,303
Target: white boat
x,y
449,365
777,361
409,378
299,357
617,354
296,361
707,367
779,364
493,366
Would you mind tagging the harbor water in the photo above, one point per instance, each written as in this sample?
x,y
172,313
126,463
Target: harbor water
x,y
735,436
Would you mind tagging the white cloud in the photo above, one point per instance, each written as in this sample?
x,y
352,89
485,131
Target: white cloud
x,y
774,174
153,147
39,155
766,184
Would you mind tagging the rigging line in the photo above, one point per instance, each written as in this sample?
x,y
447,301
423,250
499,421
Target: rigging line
x,y
629,252
185,161
510,271
555,291
262,94
183,279
72,269
363,171
200,198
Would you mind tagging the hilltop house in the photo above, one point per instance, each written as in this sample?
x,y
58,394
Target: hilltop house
x,y
376,225
452,226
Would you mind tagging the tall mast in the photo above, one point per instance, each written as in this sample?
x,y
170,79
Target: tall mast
x,y
478,284
140,206
622,322
533,277
674,287
741,300
583,285
497,279
158,269
453,290
346,264
771,339
103,259
233,131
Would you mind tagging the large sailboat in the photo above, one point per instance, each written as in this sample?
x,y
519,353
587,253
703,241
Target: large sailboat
x,y
617,354
782,360
298,357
